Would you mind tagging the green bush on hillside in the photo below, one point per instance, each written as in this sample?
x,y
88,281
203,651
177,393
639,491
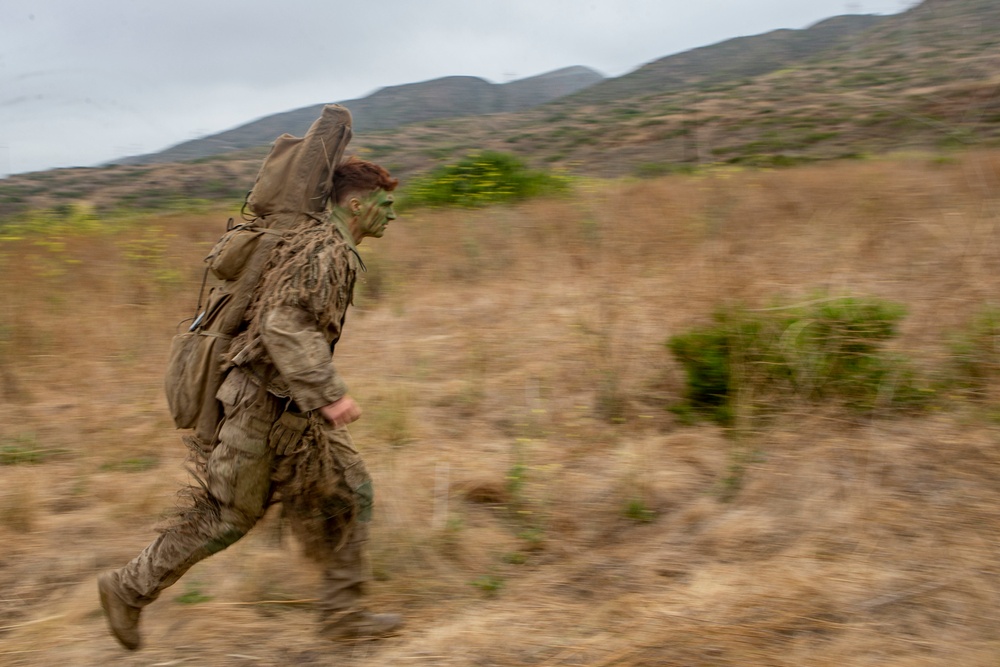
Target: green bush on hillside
x,y
975,354
756,361
482,179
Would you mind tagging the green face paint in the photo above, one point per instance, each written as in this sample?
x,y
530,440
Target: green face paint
x,y
376,213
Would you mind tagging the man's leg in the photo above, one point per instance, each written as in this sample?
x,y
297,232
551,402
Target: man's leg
x,y
338,542
346,574
236,494
346,571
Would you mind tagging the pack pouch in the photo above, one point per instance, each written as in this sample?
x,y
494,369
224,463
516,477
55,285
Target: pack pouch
x,y
232,253
193,372
198,357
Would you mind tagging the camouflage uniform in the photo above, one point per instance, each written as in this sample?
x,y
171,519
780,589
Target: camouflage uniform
x,y
273,444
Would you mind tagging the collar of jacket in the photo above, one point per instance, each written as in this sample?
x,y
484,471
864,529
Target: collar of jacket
x,y
341,226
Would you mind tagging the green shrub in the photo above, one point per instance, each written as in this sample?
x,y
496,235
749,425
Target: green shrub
x,y
481,179
636,510
975,354
657,169
193,595
705,355
776,160
514,558
757,361
489,584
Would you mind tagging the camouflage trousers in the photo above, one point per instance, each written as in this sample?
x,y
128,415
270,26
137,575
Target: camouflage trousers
x,y
241,478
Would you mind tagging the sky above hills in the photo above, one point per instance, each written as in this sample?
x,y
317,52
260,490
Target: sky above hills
x,y
86,82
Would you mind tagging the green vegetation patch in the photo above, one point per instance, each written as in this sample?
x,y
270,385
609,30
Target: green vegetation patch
x,y
756,361
482,179
193,595
134,464
658,169
24,450
975,354
489,584
636,510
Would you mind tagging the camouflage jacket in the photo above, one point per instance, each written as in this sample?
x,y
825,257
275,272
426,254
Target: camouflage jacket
x,y
299,319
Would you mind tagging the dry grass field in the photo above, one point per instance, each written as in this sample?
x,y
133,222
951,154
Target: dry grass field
x,y
537,503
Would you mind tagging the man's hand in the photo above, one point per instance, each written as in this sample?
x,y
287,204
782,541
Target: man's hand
x,y
341,412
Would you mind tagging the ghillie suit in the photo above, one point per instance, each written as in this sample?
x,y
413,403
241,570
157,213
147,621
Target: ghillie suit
x,y
291,191
259,437
322,482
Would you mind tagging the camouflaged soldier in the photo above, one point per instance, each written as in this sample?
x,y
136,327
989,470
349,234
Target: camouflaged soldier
x,y
283,435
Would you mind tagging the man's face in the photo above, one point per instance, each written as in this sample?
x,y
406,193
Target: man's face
x,y
375,212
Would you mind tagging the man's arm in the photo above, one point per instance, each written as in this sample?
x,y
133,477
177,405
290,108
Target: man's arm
x,y
302,356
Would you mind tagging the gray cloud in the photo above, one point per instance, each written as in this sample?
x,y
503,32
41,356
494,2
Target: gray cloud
x,y
85,82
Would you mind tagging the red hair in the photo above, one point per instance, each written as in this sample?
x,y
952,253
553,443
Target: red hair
x,y
355,175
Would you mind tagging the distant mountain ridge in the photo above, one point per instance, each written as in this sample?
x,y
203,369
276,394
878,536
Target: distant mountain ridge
x,y
923,82
390,107
458,96
732,59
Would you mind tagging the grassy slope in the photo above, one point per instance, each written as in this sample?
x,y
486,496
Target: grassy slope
x,y
499,336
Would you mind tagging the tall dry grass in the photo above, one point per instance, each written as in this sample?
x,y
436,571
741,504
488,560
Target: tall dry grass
x,y
537,503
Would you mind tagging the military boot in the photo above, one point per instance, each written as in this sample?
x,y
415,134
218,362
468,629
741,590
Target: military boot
x,y
123,618
360,625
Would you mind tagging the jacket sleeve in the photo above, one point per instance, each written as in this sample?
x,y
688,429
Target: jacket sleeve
x,y
301,354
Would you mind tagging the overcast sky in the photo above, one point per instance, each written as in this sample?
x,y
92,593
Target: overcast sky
x,y
86,81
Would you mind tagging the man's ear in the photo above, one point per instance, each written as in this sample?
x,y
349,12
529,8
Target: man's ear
x,y
354,204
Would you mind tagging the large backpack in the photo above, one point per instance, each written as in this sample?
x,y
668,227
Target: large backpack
x,y
295,183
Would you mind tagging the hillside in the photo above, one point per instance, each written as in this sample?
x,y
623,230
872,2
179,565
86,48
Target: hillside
x,y
732,60
926,79
847,88
389,108
451,97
